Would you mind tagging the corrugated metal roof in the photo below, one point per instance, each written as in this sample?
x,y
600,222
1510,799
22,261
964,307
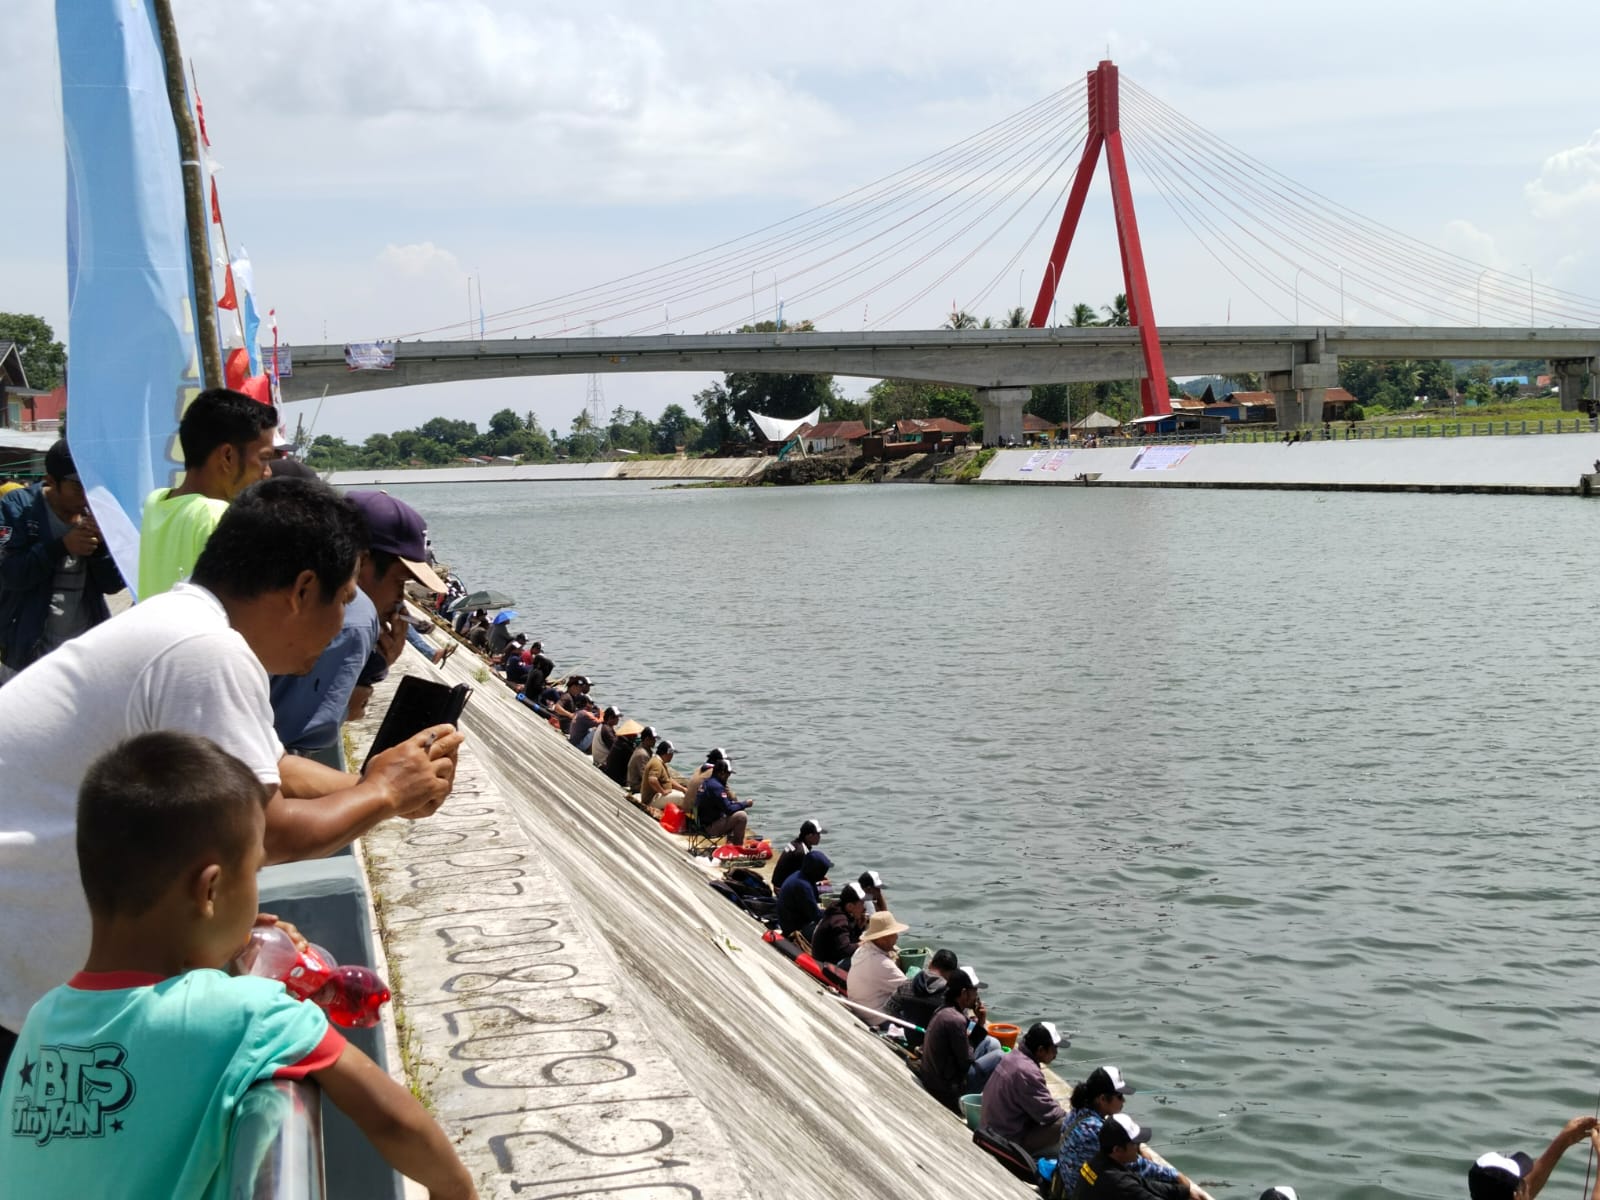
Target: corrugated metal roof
x,y
931,425
847,431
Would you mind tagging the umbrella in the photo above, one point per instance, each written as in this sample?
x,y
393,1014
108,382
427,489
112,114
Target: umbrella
x,y
500,618
488,599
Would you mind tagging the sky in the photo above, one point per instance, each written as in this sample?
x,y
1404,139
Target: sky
x,y
377,156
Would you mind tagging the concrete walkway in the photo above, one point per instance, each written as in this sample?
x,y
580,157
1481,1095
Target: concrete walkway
x,y
586,1016
665,469
1547,464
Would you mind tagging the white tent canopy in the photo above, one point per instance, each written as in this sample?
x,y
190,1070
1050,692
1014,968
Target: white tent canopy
x,y
775,429
1098,420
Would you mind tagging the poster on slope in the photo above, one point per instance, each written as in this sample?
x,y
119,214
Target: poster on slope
x,y
1160,458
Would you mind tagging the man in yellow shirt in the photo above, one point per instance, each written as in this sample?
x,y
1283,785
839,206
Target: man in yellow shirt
x,y
229,442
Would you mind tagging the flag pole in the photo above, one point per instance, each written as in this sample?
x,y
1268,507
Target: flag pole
x,y
222,228
194,203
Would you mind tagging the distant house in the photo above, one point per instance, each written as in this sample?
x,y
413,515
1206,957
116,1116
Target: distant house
x,y
931,429
832,435
1096,423
1037,428
12,379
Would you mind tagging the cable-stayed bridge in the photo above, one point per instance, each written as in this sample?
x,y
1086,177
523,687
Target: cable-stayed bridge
x,y
888,246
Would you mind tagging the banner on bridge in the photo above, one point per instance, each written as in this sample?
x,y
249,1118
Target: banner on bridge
x,y
369,356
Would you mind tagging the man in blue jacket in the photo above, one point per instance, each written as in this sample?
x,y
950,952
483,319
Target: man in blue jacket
x,y
55,570
798,909
719,815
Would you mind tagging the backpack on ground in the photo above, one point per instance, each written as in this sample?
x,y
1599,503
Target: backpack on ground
x,y
1012,1156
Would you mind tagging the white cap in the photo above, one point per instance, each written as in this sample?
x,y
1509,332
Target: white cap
x,y
1281,1192
1118,1083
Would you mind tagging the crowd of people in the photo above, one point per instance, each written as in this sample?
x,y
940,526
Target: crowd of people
x,y
160,757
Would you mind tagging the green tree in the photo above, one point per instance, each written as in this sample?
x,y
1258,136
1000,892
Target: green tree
x,y
903,399
378,451
44,360
675,428
1116,312
716,408
1436,379
329,453
1083,316
504,423
1017,318
961,319
775,394
453,434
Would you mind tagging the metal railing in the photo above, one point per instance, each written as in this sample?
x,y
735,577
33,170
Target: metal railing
x,y
1369,431
276,1149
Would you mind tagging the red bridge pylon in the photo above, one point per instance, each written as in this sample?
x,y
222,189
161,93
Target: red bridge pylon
x,y
1105,130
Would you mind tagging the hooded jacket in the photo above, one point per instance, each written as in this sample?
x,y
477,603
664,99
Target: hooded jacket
x,y
798,910
29,556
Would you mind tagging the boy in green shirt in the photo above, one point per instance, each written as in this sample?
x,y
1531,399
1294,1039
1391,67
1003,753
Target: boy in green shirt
x,y
131,1071
229,442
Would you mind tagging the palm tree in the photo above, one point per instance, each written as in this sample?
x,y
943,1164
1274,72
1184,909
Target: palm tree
x,y
1117,311
1083,316
961,319
1017,318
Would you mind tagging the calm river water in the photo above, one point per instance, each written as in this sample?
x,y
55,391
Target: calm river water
x,y
1283,800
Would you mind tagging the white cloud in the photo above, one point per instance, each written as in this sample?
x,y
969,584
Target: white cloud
x,y
419,260
1569,180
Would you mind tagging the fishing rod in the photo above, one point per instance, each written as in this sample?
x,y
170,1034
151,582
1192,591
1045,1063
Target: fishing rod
x,y
883,1017
1589,1166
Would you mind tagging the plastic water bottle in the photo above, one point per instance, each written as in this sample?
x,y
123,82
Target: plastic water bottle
x,y
353,997
270,954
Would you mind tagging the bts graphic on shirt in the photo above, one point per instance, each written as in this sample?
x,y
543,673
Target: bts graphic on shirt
x,y
69,1091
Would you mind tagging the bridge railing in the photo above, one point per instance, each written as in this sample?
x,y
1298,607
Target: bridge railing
x,y
277,1143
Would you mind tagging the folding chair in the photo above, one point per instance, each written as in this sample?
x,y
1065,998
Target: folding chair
x,y
700,842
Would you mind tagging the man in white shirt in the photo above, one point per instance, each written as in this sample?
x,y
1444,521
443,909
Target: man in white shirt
x,y
267,594
874,974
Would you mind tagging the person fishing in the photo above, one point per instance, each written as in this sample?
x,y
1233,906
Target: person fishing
x,y
1093,1102
1517,1176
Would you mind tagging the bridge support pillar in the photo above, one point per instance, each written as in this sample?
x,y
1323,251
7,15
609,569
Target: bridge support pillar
x,y
1300,393
1002,414
1572,377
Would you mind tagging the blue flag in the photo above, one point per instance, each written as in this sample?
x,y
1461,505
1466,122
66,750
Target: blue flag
x,y
131,314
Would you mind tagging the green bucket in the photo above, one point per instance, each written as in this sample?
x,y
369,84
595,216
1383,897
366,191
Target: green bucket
x,y
972,1106
914,958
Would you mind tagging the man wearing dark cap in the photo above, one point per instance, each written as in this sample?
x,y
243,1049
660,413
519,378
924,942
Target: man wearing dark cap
x,y
55,571
719,814
1017,1104
1517,1176
794,853
1113,1172
308,710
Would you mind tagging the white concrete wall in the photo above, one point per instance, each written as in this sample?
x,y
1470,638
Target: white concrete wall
x,y
651,468
1553,461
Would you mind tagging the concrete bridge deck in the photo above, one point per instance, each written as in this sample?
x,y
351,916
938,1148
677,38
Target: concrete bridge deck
x,y
585,1016
983,358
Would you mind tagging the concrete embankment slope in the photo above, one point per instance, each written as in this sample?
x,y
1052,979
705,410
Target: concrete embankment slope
x,y
1552,463
586,1016
651,468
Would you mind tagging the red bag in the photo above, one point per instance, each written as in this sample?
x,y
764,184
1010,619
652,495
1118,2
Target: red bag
x,y
672,819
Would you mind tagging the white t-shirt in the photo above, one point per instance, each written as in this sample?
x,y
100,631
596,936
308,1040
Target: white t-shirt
x,y
172,662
